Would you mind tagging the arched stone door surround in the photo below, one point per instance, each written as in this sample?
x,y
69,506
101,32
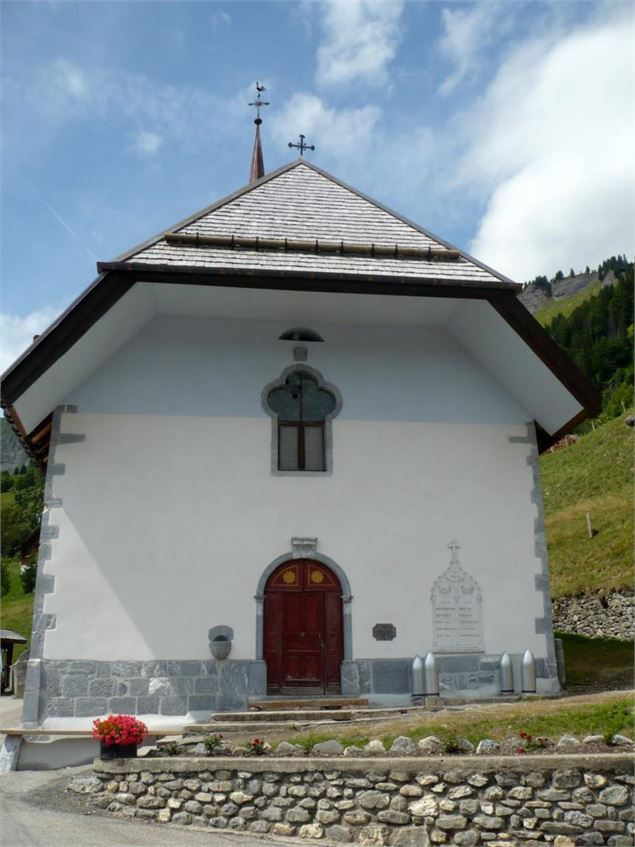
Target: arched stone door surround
x,y
346,598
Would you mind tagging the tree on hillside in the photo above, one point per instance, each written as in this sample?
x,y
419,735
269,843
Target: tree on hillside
x,y
618,264
23,517
597,336
543,283
6,481
5,580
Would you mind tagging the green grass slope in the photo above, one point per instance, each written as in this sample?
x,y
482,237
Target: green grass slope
x,y
594,475
565,305
16,612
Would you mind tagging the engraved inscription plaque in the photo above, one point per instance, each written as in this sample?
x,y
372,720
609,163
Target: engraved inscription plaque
x,y
456,610
384,632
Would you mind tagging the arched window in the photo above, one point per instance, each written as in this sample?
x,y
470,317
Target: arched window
x,y
303,408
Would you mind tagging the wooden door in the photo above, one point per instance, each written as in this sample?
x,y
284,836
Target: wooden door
x,y
303,629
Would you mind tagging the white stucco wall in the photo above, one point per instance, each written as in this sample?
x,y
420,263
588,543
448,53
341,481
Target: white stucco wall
x,y
170,512
206,366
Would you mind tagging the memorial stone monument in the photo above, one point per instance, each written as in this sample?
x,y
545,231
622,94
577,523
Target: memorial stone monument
x,y
457,613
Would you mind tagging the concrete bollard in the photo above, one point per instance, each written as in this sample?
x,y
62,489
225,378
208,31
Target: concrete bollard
x,y
528,673
418,688
507,674
431,673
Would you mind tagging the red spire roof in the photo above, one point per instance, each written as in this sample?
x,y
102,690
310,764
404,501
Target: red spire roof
x,y
257,164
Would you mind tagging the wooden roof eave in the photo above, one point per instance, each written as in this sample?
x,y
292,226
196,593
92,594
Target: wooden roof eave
x,y
301,280
60,336
38,451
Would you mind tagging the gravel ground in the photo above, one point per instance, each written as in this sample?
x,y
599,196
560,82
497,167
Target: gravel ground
x,y
38,811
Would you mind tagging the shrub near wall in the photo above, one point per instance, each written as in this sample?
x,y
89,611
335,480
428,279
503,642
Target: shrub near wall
x,y
397,801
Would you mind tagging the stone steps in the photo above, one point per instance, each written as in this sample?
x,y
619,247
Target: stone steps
x,y
260,727
306,715
273,717
287,704
262,721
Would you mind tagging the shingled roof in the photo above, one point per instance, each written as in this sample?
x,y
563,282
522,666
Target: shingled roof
x,y
300,201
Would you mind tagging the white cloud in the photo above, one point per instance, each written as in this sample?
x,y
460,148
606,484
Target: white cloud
x,y
219,19
468,36
147,143
61,92
16,332
361,38
552,145
338,133
68,78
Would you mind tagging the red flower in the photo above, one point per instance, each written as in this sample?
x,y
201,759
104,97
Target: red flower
x,y
120,730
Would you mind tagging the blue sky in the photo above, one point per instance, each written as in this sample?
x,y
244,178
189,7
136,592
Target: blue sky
x,y
505,127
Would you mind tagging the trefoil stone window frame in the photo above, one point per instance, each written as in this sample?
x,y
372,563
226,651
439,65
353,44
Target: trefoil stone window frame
x,y
327,423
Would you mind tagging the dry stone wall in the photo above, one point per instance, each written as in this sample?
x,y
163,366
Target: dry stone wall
x,y
608,616
581,800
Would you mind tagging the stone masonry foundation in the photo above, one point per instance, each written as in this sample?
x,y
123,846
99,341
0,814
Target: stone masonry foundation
x,y
584,799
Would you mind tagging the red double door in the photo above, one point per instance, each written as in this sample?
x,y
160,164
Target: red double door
x,y
303,629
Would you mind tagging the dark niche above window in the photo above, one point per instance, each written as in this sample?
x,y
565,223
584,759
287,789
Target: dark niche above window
x,y
300,333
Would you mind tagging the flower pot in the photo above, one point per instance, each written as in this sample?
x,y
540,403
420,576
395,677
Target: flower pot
x,y
117,751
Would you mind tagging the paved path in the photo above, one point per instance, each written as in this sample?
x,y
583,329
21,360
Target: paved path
x,y
36,811
10,713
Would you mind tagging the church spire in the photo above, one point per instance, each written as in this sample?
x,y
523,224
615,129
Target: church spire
x,y
257,163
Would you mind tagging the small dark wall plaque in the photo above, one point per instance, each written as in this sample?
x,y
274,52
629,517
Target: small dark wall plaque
x,y
384,632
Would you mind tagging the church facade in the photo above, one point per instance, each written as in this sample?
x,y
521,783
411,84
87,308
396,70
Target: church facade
x,y
289,445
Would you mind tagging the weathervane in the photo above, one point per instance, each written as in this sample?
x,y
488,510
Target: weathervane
x,y
259,102
302,146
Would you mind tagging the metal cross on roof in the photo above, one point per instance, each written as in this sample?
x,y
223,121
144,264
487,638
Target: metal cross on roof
x,y
302,146
259,102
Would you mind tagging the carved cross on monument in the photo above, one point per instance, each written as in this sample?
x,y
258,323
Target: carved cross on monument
x,y
454,546
302,146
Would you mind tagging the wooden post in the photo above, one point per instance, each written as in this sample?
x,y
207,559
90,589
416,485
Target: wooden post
x,y
623,406
589,529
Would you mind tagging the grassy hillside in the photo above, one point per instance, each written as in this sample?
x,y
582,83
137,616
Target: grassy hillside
x,y
538,717
7,498
565,305
17,607
595,475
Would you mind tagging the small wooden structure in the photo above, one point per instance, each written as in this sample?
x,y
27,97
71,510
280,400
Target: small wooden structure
x,y
8,639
